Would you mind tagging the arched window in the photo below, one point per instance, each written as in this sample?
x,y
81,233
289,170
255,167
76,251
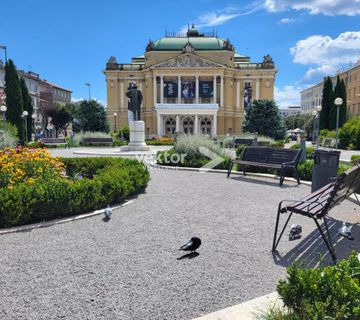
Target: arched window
x,y
170,125
205,126
188,125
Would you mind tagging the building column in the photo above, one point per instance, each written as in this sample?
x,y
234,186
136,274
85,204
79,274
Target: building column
x,y
214,125
161,89
197,90
214,89
196,124
122,97
179,89
237,94
159,125
177,129
155,91
257,94
222,91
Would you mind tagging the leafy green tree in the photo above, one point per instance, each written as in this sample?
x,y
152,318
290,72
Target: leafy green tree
x,y
27,104
263,117
90,115
326,103
14,101
60,118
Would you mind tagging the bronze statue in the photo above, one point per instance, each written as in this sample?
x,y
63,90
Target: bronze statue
x,y
135,99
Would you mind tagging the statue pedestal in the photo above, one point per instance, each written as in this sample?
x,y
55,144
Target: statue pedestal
x,y
137,137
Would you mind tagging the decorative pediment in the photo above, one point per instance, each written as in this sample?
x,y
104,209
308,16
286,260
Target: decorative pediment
x,y
187,60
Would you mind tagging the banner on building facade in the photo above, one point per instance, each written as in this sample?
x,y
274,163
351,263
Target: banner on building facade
x,y
247,96
170,89
188,89
206,89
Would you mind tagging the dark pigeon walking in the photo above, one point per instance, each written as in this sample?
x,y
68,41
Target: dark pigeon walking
x,y
192,245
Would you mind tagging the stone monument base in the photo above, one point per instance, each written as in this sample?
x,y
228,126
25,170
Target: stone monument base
x,y
137,137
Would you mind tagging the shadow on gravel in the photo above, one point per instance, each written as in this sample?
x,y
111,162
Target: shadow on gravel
x,y
264,182
191,255
311,251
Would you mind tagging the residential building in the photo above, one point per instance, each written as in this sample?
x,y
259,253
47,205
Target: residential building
x,y
351,78
312,96
32,81
191,83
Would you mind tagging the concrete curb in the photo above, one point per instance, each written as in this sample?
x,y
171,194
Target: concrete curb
x,y
50,223
249,310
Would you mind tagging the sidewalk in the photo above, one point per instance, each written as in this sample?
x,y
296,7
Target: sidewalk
x,y
249,310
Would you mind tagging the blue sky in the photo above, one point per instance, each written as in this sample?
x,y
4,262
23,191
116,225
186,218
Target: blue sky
x,y
68,42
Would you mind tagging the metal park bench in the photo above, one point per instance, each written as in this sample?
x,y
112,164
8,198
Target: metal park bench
x,y
53,142
273,158
98,141
317,204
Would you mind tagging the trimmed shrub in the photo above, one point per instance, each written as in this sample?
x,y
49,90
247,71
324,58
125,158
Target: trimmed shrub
x,y
349,135
91,183
330,292
309,150
325,133
355,159
277,144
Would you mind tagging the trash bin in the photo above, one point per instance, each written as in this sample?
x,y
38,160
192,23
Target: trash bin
x,y
326,164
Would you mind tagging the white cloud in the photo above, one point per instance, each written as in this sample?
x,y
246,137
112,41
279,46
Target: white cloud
x,y
319,72
326,7
219,17
288,96
214,19
321,50
325,55
286,20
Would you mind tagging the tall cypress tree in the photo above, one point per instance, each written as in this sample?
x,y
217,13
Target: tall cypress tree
x,y
27,103
333,112
343,108
326,104
14,100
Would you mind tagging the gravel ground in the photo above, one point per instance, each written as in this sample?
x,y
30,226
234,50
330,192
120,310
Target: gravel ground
x,y
129,267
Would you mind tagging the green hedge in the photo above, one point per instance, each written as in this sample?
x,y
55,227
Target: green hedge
x,y
330,292
105,181
349,136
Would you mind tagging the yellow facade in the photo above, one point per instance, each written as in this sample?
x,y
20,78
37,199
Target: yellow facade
x,y
207,67
352,83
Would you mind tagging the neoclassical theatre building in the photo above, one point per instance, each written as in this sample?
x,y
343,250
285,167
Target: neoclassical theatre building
x,y
191,83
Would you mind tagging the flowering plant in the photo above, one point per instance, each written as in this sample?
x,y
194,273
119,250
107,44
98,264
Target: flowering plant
x,y
25,165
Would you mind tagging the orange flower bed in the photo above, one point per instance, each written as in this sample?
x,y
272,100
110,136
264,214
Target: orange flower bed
x,y
27,165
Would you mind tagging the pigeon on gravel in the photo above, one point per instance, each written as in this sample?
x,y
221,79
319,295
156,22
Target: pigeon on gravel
x,y
108,212
192,245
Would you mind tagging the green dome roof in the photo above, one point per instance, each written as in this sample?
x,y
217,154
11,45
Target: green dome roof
x,y
198,43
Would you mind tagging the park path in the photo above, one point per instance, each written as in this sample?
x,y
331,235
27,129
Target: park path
x,y
128,268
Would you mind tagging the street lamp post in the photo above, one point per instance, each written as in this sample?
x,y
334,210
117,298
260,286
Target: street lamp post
x,y
24,116
3,111
33,116
115,115
318,110
4,48
338,102
314,113
88,85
